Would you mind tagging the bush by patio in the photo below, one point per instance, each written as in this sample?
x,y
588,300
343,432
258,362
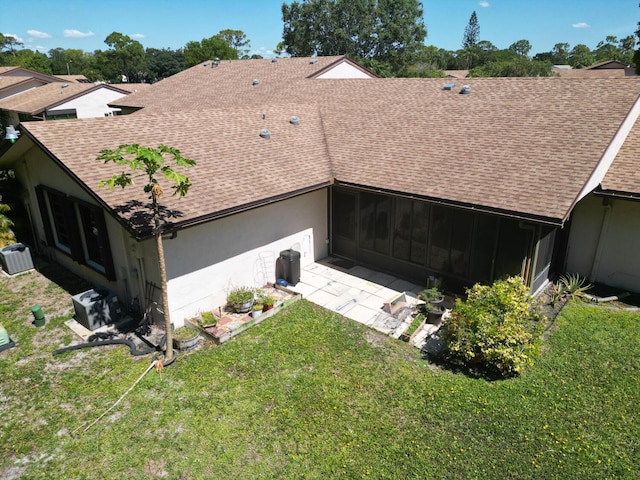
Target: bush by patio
x,y
496,331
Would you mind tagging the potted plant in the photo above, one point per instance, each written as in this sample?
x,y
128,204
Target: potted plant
x,y
432,295
413,327
256,310
433,307
268,302
240,299
185,338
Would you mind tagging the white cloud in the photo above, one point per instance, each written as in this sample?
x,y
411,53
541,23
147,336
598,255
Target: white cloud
x,y
70,33
138,35
38,34
581,25
13,35
484,4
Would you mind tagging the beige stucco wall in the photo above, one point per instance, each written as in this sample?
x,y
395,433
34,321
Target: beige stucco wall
x,y
603,243
205,261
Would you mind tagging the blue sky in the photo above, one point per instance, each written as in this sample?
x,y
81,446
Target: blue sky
x,y
84,24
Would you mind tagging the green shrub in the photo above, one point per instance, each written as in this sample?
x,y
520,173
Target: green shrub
x,y
495,331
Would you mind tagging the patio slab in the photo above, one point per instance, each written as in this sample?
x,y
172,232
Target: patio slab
x,y
356,292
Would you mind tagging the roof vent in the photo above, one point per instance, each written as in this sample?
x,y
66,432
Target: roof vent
x,y
313,60
215,63
294,120
465,90
256,81
205,64
274,60
448,86
64,85
264,133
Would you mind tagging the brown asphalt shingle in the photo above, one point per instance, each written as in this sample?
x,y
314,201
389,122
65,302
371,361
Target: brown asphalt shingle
x,y
624,174
234,165
522,146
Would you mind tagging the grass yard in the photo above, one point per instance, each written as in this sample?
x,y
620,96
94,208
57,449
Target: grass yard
x,y
307,394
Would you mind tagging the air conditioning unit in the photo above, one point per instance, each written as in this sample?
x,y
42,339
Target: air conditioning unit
x,y
15,258
97,307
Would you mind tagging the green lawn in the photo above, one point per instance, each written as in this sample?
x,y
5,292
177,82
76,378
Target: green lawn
x,y
307,394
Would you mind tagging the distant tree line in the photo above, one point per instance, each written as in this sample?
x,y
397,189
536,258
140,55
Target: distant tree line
x,y
386,36
125,59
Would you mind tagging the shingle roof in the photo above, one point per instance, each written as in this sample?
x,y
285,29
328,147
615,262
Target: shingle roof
x,y
588,73
624,174
38,99
235,167
523,146
231,82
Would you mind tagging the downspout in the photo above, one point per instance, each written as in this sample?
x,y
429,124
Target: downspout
x,y
604,229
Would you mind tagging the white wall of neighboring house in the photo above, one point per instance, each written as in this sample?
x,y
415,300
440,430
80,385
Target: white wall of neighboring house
x,y
344,70
603,243
91,105
205,261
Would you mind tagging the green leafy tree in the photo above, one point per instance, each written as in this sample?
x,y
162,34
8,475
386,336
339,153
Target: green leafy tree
x,y
163,63
128,55
518,67
607,49
471,32
236,39
521,47
154,165
581,56
69,61
382,31
33,60
208,49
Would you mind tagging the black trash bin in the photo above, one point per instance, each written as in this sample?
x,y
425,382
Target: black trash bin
x,y
290,260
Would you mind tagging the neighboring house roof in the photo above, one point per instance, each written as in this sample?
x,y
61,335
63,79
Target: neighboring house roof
x,y
524,147
75,78
37,100
608,64
589,73
231,82
26,72
456,73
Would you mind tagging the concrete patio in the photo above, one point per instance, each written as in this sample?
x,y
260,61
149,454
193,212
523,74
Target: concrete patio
x,y
359,293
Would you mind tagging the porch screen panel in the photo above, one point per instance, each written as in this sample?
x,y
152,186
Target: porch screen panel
x,y
484,245
450,240
419,232
344,215
375,220
513,249
402,229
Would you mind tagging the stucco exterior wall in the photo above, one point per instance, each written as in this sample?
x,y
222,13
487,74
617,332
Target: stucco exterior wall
x,y
603,243
205,261
91,105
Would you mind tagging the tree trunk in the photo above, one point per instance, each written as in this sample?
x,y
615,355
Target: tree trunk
x,y
163,285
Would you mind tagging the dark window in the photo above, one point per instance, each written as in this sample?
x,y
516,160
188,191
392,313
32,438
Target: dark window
x,y
76,229
59,209
95,240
